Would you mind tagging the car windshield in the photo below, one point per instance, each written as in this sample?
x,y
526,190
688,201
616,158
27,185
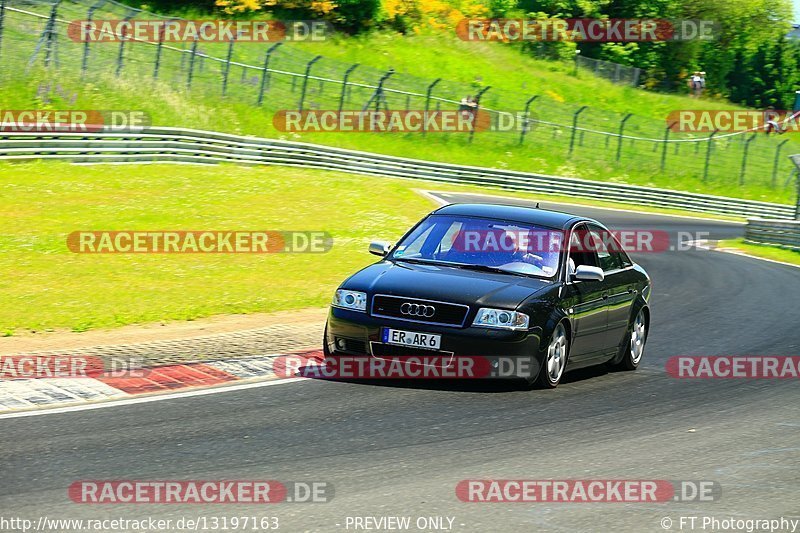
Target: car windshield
x,y
483,244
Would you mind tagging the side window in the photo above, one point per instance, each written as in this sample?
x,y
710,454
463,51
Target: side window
x,y
616,249
579,252
608,256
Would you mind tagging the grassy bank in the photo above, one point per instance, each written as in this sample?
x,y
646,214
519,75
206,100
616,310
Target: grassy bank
x,y
465,68
53,288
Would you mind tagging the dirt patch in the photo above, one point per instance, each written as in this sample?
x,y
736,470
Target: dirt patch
x,y
223,326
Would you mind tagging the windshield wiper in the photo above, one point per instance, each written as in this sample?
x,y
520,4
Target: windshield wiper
x,y
434,262
487,268
421,261
465,266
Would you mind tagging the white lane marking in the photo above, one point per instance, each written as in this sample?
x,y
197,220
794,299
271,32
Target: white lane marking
x,y
243,368
87,388
704,244
734,251
433,196
148,399
46,391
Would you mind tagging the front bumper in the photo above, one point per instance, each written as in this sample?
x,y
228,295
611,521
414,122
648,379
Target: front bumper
x,y
509,354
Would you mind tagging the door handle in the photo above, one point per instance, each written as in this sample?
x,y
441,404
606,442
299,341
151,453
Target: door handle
x,y
632,291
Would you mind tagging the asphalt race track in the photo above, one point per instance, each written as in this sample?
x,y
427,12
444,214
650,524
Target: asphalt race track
x,y
399,449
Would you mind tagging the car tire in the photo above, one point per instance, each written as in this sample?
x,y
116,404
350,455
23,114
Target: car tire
x,y
325,351
555,359
632,348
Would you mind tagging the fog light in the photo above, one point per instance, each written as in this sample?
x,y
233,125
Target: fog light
x,y
340,344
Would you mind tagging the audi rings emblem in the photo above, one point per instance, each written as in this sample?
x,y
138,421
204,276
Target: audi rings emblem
x,y
410,309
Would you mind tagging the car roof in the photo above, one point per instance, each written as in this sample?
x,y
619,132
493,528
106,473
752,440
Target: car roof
x,y
515,213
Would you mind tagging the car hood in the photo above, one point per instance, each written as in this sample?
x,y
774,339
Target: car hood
x,y
446,284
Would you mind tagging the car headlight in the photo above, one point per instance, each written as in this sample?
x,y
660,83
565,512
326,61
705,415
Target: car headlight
x,y
357,301
501,319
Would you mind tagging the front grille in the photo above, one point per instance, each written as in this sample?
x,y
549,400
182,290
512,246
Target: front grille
x,y
446,314
391,350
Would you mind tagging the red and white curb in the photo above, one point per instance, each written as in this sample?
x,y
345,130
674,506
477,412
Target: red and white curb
x,y
26,394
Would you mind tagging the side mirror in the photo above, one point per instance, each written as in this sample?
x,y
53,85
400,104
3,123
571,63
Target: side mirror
x,y
381,248
589,273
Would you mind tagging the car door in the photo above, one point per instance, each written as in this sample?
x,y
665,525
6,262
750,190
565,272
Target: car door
x,y
585,304
619,284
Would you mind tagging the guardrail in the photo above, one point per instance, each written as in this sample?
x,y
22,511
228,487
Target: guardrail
x,y
777,232
195,146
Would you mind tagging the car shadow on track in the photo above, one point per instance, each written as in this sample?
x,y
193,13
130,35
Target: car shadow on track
x,y
474,385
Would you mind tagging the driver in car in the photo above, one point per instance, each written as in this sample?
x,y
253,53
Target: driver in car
x,y
521,252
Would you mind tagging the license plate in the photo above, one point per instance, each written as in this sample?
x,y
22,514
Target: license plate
x,y
414,339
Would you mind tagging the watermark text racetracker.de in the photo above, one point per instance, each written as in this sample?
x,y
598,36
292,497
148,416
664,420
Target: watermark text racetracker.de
x,y
465,120
586,491
730,523
171,31
733,120
552,241
203,492
733,367
72,120
198,242
446,365
586,30
71,366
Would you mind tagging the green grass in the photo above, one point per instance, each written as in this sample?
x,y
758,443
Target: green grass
x,y
504,67
513,77
49,287
775,253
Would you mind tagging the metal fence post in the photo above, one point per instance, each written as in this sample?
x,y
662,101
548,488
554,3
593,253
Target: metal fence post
x,y
228,64
636,72
664,147
51,36
2,19
120,54
619,135
158,53
305,82
47,38
191,65
428,104
775,164
377,96
797,207
744,157
265,71
710,141
344,85
575,127
525,121
477,109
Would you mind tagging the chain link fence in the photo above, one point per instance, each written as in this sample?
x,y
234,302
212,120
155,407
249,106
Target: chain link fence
x,y
609,70
275,76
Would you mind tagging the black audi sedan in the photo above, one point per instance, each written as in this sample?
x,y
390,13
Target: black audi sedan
x,y
544,290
